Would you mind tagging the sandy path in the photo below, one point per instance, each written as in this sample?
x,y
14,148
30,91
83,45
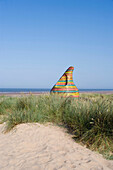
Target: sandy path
x,y
39,147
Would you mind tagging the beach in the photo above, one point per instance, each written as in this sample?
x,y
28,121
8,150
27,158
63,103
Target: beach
x,y
46,147
56,85
35,146
16,94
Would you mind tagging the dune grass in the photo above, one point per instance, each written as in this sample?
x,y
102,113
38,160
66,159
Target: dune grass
x,y
89,117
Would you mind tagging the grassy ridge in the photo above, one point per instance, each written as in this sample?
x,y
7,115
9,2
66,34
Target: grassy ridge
x,y
90,117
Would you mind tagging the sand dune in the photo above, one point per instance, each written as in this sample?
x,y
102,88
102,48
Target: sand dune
x,y
40,147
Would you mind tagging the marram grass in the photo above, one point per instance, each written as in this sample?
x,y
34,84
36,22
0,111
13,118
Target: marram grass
x,y
89,117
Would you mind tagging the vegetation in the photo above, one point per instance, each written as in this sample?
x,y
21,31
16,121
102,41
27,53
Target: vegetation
x,y
89,117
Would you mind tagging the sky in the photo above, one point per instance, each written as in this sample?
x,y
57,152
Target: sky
x,y
40,39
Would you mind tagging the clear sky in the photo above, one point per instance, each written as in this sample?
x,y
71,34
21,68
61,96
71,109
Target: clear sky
x,y
40,39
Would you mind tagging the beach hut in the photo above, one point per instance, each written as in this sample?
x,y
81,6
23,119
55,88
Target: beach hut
x,y
65,85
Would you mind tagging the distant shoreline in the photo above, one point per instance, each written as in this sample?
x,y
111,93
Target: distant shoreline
x,y
21,93
98,92
41,93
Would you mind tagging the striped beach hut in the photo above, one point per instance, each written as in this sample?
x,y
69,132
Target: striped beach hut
x,y
65,85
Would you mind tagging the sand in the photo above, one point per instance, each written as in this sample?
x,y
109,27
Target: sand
x,y
46,147
19,94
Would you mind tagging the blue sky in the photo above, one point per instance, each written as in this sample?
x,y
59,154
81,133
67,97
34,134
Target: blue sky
x,y
40,39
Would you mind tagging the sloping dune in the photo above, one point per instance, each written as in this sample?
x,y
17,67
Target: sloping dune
x,y
40,147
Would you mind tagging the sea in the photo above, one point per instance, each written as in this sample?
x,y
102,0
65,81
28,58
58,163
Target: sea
x,y
43,90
